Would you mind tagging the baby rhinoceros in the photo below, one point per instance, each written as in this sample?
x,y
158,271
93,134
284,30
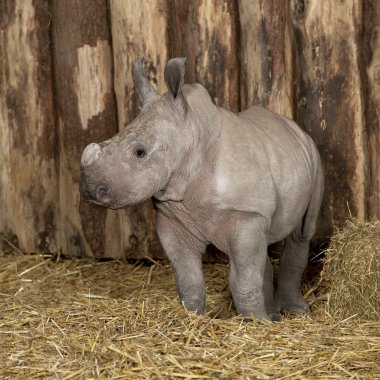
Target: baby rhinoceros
x,y
237,181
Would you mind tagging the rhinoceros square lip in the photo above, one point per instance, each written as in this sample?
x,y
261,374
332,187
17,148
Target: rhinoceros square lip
x,y
95,203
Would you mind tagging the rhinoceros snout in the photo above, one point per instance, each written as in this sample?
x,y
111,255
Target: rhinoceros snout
x,y
90,154
98,194
93,191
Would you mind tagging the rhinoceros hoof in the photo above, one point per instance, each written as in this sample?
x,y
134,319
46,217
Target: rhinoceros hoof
x,y
274,317
293,306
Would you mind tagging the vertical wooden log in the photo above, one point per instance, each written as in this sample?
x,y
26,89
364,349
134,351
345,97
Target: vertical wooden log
x,y
28,172
266,55
330,105
86,113
139,29
206,33
371,62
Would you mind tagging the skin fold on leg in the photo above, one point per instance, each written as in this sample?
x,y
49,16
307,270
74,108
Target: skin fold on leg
x,y
185,254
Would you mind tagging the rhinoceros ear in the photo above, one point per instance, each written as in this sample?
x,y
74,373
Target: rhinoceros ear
x,y
174,74
141,82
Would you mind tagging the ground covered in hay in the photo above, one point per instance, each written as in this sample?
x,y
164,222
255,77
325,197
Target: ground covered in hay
x,y
352,271
82,319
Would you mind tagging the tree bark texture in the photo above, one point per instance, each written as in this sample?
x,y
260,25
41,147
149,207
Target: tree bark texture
x,y
86,112
206,33
330,102
371,78
266,55
65,81
139,29
28,156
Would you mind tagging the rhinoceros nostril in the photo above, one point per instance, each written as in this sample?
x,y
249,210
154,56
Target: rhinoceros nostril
x,y
101,192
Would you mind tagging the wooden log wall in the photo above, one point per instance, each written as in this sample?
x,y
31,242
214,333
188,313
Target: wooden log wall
x,y
85,111
28,137
370,66
65,81
330,101
139,29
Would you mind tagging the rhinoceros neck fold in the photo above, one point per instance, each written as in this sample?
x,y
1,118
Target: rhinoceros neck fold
x,y
202,129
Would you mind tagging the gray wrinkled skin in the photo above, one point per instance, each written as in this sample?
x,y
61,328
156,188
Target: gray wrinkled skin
x,y
237,181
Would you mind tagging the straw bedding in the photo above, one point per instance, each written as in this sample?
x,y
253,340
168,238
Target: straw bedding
x,y
352,267
85,319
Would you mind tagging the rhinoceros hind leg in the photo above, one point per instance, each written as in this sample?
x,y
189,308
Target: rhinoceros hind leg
x,y
293,262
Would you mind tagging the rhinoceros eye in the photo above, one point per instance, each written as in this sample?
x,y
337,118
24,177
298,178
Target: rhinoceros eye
x,y
140,152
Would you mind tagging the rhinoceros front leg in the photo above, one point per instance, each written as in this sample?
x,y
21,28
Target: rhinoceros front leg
x,y
185,254
250,278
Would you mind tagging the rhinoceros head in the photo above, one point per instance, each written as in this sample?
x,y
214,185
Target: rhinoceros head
x,y
138,162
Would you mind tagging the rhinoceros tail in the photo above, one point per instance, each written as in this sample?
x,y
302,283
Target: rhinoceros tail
x,y
310,218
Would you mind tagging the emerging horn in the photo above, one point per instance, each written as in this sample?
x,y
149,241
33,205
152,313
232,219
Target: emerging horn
x,y
141,82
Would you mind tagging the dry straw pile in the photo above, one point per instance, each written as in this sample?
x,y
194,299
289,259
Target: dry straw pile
x,y
352,267
82,319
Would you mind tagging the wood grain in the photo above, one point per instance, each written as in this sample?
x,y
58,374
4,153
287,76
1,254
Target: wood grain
x,y
86,112
139,29
370,55
206,33
266,55
329,103
28,154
